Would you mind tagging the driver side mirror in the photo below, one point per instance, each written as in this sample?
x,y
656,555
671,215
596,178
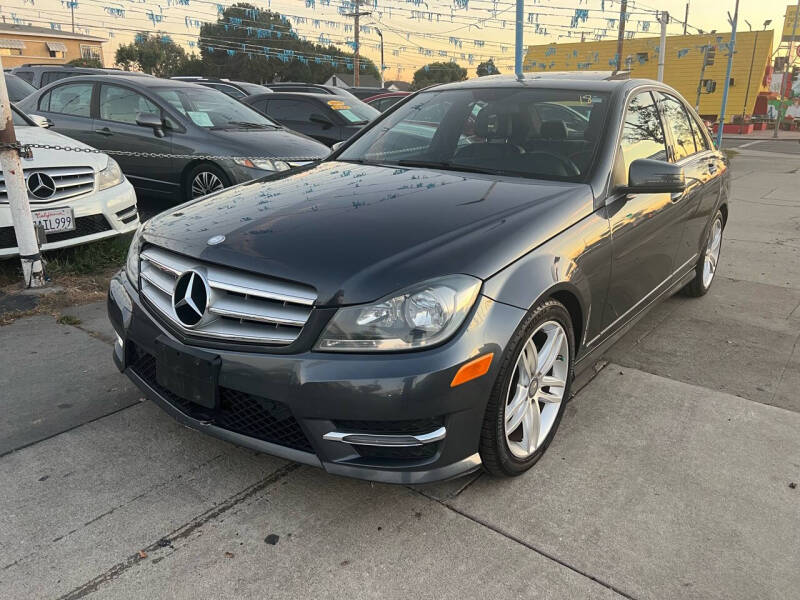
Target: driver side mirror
x,y
647,176
151,120
321,120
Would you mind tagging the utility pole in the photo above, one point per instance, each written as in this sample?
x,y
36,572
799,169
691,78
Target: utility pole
x,y
518,39
663,18
623,9
750,74
380,35
356,27
731,51
789,60
686,19
11,166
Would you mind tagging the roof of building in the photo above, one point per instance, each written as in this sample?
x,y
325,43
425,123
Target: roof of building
x,y
345,80
16,29
400,86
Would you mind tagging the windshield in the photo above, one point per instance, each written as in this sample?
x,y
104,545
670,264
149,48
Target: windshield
x,y
353,110
253,88
537,133
212,109
18,88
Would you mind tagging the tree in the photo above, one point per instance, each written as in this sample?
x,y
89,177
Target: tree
x,y
437,72
154,54
86,62
260,45
487,68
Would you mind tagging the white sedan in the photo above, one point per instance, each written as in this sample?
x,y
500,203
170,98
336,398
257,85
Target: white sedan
x,y
75,197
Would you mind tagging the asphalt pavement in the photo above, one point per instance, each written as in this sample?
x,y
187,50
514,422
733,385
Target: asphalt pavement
x,y
675,474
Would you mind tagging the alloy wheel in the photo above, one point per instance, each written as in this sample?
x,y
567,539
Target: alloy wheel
x,y
711,257
204,183
536,390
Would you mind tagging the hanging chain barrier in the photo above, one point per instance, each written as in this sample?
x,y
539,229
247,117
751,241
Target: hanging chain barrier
x,y
26,151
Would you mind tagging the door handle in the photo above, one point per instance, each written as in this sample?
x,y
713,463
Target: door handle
x,y
104,131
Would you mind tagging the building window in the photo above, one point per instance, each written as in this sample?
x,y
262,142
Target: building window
x,y
11,47
56,49
90,52
642,57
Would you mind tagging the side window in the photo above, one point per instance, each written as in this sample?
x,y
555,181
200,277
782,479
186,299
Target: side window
x,y
72,99
292,110
51,76
700,141
642,136
26,75
678,122
122,105
229,90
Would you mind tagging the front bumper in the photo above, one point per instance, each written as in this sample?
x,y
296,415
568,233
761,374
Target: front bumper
x,y
293,405
98,215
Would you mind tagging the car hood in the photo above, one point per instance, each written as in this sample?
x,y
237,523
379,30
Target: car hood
x,y
44,158
358,232
280,143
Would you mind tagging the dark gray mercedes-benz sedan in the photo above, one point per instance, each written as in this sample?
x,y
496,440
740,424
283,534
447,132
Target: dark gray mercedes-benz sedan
x,y
418,304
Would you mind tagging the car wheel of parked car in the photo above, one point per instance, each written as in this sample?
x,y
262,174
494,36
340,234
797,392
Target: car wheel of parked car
x,y
530,393
707,264
204,179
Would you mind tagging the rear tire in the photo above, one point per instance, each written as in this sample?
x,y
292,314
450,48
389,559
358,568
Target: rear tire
x,y
705,270
204,179
531,391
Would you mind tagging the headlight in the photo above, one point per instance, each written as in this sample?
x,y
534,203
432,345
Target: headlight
x,y
110,176
420,316
265,164
132,262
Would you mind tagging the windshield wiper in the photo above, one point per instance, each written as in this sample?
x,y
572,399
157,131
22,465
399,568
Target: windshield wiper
x,y
448,166
250,125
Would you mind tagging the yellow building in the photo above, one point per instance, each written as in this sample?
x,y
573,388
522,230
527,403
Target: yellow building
x,y
682,65
21,44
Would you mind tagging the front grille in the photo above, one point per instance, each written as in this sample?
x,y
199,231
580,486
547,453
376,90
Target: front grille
x,y
128,215
70,182
242,307
253,416
83,226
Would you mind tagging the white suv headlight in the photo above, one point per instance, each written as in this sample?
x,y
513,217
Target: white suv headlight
x,y
110,176
422,315
265,164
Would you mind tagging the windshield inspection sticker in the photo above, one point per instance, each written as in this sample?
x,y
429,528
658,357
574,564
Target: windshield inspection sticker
x,y
200,118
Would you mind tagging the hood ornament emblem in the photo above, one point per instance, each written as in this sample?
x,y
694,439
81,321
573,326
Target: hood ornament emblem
x,y
217,239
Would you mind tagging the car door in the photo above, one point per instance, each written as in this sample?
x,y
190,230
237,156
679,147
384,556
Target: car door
x,y
703,167
645,228
297,114
115,128
69,107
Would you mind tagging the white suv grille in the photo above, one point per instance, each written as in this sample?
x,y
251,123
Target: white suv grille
x,y
242,307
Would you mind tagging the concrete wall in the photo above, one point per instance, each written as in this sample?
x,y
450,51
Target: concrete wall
x,y
684,58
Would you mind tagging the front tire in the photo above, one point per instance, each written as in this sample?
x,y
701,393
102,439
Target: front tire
x,y
531,391
204,179
706,268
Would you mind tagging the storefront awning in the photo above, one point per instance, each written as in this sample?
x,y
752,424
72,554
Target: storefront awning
x,y
15,44
56,47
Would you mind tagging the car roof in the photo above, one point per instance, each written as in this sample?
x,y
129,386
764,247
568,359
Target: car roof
x,y
583,80
313,96
146,82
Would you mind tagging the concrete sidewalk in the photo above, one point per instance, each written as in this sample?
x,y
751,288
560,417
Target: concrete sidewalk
x,y
671,476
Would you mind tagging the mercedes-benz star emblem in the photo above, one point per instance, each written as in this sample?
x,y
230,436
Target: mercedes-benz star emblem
x,y
41,185
217,239
190,298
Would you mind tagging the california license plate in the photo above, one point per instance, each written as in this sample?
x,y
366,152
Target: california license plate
x,y
54,220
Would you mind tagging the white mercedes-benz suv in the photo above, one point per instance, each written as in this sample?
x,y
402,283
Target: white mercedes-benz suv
x,y
75,197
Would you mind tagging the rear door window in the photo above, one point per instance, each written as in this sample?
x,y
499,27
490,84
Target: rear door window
x,y
70,99
681,128
292,110
123,105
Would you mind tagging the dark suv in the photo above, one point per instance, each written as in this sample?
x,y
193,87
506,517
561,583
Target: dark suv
x,y
418,304
234,89
42,75
151,115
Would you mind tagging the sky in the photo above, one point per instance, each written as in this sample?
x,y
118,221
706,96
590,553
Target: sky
x,y
415,32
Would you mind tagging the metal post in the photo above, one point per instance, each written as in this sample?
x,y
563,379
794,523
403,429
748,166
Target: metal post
x,y
686,19
663,18
789,61
749,77
11,166
518,39
731,50
380,35
623,9
72,9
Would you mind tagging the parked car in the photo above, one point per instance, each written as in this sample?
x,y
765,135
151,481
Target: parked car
x,y
408,312
362,93
151,115
324,117
382,102
75,197
40,75
234,89
18,89
308,88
